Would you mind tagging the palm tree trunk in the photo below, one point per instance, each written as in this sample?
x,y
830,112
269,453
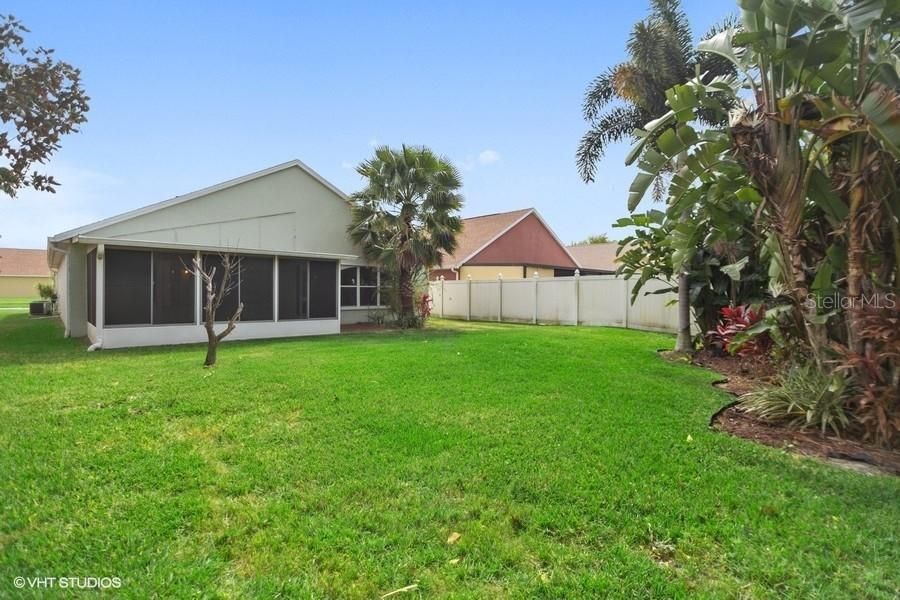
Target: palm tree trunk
x,y
684,343
855,267
406,292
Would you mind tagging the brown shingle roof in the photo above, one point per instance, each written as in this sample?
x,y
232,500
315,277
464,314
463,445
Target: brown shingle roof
x,y
478,231
600,257
23,262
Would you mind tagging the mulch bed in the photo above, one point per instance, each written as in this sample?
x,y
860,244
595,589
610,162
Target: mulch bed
x,y
742,375
840,451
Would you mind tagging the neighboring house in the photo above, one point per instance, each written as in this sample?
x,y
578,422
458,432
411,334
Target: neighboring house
x,y
514,244
596,259
21,270
128,280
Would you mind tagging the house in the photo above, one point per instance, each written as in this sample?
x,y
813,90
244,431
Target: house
x,y
21,270
128,280
596,259
514,244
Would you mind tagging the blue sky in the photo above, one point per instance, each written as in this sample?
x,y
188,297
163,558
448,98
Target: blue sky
x,y
187,96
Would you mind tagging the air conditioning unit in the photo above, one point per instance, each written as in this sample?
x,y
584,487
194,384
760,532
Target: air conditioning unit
x,y
39,308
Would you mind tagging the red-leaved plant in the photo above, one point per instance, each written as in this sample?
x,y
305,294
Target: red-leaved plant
x,y
425,306
735,320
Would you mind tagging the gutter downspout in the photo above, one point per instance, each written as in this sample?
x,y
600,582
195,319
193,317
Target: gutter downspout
x,y
98,345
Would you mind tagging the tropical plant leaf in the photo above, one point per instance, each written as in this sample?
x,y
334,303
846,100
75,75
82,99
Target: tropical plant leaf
x,y
858,16
734,269
881,108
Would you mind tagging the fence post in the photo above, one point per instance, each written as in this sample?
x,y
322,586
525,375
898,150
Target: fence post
x,y
442,296
469,298
627,302
577,296
534,317
499,297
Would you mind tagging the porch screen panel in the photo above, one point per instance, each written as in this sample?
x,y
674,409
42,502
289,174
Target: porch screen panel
x,y
322,289
173,288
256,288
127,287
292,289
92,287
231,300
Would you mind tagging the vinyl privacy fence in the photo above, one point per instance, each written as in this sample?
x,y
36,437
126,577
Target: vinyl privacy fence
x,y
588,300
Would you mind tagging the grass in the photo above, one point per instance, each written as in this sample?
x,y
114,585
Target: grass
x,y
573,462
7,303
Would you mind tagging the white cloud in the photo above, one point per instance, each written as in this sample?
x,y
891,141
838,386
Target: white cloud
x,y
487,157
82,197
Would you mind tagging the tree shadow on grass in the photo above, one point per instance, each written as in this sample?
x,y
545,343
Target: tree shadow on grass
x,y
25,341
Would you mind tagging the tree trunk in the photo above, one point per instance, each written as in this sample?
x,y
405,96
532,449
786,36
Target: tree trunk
x,y
406,293
684,343
856,257
806,307
212,344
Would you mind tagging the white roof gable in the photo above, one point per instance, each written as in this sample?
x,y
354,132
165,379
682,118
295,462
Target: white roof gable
x,y
84,229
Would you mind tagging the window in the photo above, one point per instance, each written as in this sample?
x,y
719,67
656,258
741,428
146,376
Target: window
x,y
256,288
92,287
173,288
360,286
322,289
127,287
293,278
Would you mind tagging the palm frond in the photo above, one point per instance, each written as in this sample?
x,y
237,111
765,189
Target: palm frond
x,y
599,93
615,125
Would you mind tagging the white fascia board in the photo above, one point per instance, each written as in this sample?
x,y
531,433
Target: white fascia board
x,y
558,241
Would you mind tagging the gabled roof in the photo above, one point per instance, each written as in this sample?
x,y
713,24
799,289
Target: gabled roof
x,y
599,257
480,232
23,262
202,192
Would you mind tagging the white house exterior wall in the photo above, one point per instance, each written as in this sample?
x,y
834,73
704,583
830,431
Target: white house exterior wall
x,y
285,211
158,335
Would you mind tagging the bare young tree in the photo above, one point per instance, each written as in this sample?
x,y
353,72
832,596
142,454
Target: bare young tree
x,y
215,292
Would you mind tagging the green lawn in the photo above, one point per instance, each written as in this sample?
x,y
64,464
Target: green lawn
x,y
22,303
573,462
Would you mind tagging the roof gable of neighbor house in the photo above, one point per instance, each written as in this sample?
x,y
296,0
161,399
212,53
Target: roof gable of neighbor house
x,y
477,232
598,257
518,238
286,208
22,262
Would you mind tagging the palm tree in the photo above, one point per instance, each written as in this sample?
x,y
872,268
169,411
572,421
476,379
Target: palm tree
x,y
662,55
407,216
630,94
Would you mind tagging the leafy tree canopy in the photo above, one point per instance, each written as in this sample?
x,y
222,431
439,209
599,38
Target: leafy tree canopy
x,y
41,99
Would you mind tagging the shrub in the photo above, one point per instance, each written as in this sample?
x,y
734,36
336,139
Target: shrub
x,y
46,291
735,321
803,397
416,320
874,375
424,308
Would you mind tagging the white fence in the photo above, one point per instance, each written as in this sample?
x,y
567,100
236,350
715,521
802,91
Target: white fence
x,y
588,300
